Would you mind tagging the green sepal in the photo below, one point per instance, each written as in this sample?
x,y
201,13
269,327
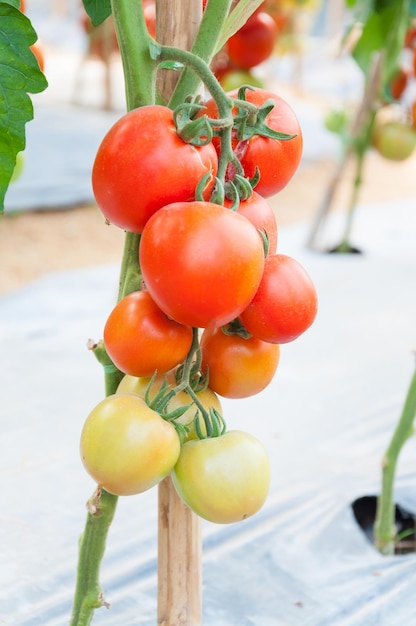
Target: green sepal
x,y
197,132
236,328
246,130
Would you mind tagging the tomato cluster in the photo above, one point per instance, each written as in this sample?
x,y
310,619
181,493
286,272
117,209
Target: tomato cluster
x,y
214,301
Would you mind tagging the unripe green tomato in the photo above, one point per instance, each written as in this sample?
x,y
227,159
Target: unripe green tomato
x,y
223,479
234,79
126,447
394,140
336,120
207,397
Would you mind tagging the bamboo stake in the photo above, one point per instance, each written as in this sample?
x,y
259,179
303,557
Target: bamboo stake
x,y
179,530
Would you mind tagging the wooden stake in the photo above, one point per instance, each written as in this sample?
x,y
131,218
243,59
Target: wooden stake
x,y
179,561
179,530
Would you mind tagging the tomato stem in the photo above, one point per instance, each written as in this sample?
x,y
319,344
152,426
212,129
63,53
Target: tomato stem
x,y
134,39
112,375
89,596
204,47
384,527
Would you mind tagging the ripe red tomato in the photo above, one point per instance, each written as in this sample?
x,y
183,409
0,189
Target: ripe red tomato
x,y
223,479
142,164
237,367
207,397
140,339
276,159
254,42
285,304
126,447
259,212
394,140
202,263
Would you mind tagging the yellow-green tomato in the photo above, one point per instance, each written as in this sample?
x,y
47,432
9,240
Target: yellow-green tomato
x,y
207,397
223,479
126,446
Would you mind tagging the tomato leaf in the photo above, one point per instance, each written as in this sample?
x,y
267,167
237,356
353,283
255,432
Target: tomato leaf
x,y
383,31
19,75
98,10
236,19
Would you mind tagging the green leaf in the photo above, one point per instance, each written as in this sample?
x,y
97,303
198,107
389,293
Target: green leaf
x,y
383,31
19,75
98,10
236,19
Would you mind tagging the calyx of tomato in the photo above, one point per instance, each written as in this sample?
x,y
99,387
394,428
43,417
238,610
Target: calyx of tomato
x,y
190,379
236,328
251,120
194,130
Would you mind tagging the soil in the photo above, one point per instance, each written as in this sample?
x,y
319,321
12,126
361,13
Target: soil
x,y
35,243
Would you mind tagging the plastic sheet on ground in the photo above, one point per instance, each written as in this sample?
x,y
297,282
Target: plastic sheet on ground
x,y
326,420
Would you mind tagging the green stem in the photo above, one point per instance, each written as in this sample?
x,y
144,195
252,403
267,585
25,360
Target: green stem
x,y
204,47
384,527
134,39
224,103
101,508
345,245
112,375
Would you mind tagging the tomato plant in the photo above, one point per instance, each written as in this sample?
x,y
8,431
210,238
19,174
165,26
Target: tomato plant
x,y
142,164
237,366
141,339
223,479
201,262
254,42
127,447
277,160
285,304
206,396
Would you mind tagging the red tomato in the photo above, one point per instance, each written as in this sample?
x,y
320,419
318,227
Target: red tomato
x,y
140,339
202,263
254,42
142,164
259,212
285,304
237,367
276,159
223,479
